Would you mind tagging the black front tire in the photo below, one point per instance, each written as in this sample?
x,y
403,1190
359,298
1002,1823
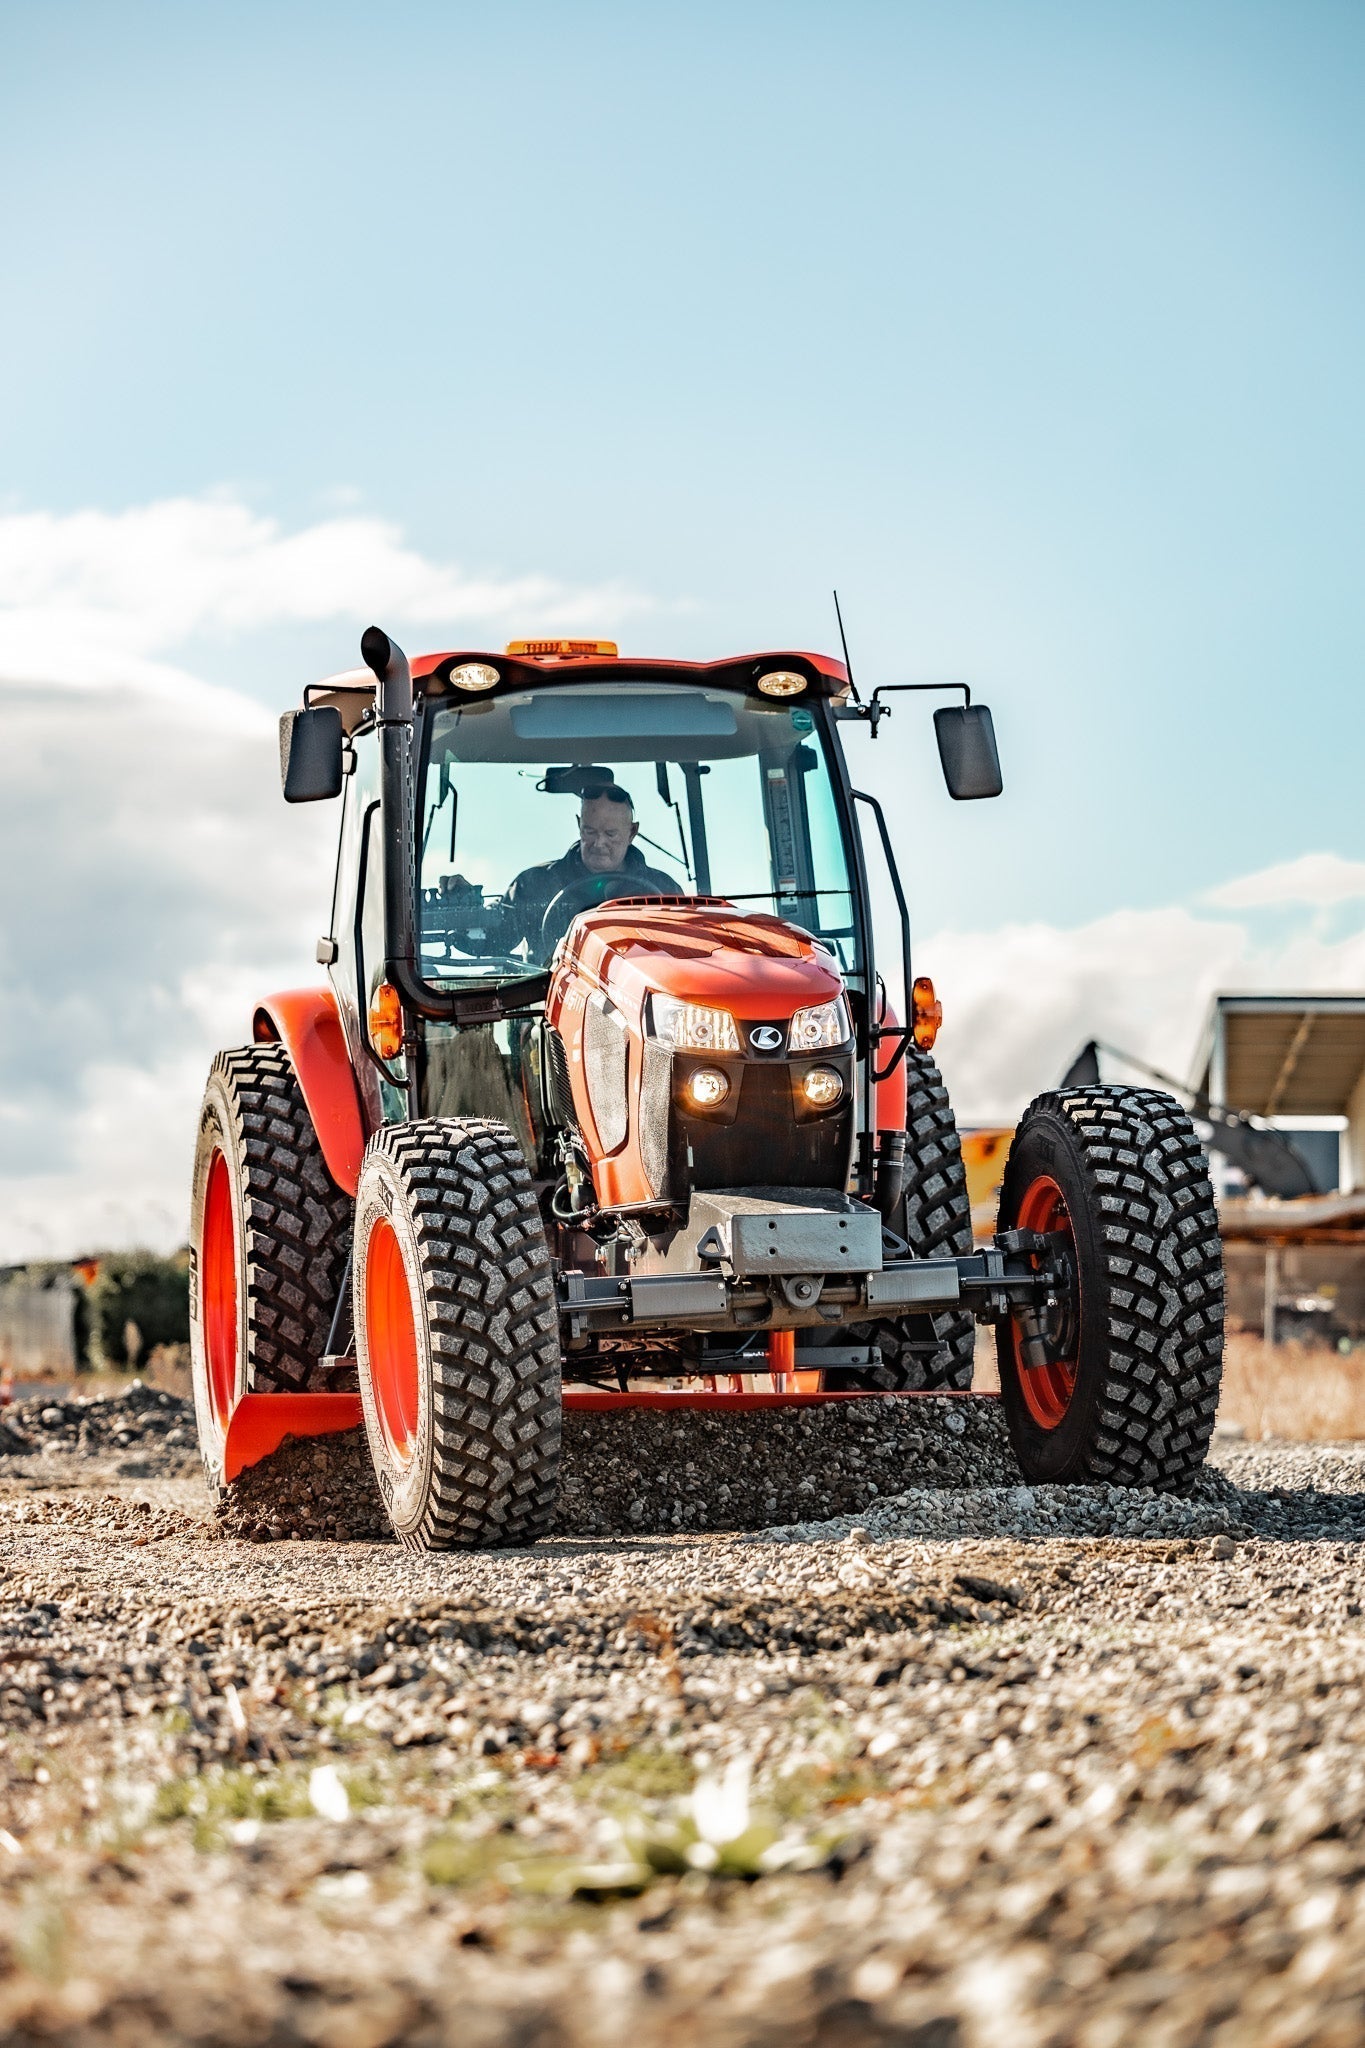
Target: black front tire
x,y
467,1456
1138,1327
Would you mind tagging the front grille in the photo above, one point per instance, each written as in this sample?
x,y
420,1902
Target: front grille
x,y
758,1139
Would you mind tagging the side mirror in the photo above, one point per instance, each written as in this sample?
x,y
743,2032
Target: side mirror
x,y
310,754
966,747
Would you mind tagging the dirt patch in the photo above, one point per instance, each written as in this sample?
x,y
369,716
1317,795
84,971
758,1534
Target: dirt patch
x,y
657,1789
139,1431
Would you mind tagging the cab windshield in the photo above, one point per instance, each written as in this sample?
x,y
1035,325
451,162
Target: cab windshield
x,y
546,802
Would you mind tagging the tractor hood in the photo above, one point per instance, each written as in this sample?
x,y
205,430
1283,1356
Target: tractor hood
x,y
753,965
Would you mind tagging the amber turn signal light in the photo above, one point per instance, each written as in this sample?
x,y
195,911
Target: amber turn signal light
x,y
926,1013
386,1021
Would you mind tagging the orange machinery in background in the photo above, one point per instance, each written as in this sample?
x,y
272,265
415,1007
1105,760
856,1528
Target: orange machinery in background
x,y
984,1153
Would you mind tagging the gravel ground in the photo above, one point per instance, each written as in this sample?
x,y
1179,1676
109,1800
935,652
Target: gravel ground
x,y
648,1472
969,1764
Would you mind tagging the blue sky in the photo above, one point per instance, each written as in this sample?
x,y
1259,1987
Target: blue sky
x,y
1038,328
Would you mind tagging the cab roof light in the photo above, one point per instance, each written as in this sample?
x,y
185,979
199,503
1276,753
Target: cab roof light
x,y
782,682
560,650
475,675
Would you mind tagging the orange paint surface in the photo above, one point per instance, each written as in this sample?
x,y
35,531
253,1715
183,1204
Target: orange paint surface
x,y
261,1422
308,1025
753,966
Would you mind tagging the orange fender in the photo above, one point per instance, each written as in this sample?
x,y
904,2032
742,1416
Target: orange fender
x,y
308,1025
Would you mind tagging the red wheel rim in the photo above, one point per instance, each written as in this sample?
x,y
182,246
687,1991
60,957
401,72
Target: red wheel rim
x,y
1047,1389
391,1342
218,1290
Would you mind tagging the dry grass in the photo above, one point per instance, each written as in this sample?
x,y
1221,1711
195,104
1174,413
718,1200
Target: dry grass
x,y
1300,1391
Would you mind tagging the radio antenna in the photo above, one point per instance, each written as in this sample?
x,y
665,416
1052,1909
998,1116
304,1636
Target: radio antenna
x,y
843,639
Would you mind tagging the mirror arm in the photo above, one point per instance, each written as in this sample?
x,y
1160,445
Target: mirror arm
x,y
876,711
876,1033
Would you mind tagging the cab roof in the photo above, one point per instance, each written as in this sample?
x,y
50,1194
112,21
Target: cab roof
x,y
825,677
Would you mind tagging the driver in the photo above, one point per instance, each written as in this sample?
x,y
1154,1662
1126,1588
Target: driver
x,y
605,849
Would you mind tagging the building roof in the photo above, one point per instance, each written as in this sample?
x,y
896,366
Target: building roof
x,y
1310,1219
1283,1056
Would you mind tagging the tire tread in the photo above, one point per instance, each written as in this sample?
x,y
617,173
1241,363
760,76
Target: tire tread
x,y
298,1226
490,1301
1163,1279
926,1352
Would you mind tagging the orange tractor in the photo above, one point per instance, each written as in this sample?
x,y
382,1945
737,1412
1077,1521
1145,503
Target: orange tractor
x,y
632,1122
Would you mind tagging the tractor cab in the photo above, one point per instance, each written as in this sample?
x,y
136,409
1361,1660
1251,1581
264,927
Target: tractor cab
x,y
606,1103
557,778
561,789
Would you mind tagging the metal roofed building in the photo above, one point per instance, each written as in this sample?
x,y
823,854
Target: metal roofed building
x,y
1291,1057
1299,1061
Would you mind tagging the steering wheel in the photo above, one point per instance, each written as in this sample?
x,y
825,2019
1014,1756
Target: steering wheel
x,y
584,894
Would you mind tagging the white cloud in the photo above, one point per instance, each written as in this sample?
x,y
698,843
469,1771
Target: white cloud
x,y
1020,1002
1319,879
153,885
104,598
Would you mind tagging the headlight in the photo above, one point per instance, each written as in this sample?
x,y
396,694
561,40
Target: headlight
x,y
817,1029
822,1087
707,1087
692,1027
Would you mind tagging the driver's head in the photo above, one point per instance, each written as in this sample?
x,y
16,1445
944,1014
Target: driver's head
x,y
606,826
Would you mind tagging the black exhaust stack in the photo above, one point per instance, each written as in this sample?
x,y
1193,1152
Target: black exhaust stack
x,y
393,702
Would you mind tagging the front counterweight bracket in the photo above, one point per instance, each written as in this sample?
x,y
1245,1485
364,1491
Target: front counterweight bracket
x,y
995,1282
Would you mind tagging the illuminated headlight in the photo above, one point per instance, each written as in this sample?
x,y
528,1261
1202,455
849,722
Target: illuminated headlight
x,y
822,1087
692,1027
708,1087
782,682
817,1029
475,675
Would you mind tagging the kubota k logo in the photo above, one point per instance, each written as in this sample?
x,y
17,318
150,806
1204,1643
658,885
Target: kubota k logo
x,y
765,1038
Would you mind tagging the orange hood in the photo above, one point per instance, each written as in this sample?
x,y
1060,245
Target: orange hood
x,y
754,966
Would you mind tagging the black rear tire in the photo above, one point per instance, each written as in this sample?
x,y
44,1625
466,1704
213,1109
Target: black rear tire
x,y
290,1234
449,1233
925,1352
1138,1328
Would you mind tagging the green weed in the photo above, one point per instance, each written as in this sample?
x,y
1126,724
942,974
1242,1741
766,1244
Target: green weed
x,y
214,1799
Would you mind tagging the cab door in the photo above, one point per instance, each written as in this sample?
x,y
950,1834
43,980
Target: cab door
x,y
357,932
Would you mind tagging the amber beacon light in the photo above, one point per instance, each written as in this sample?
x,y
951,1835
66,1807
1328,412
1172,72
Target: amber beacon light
x,y
562,650
926,1013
